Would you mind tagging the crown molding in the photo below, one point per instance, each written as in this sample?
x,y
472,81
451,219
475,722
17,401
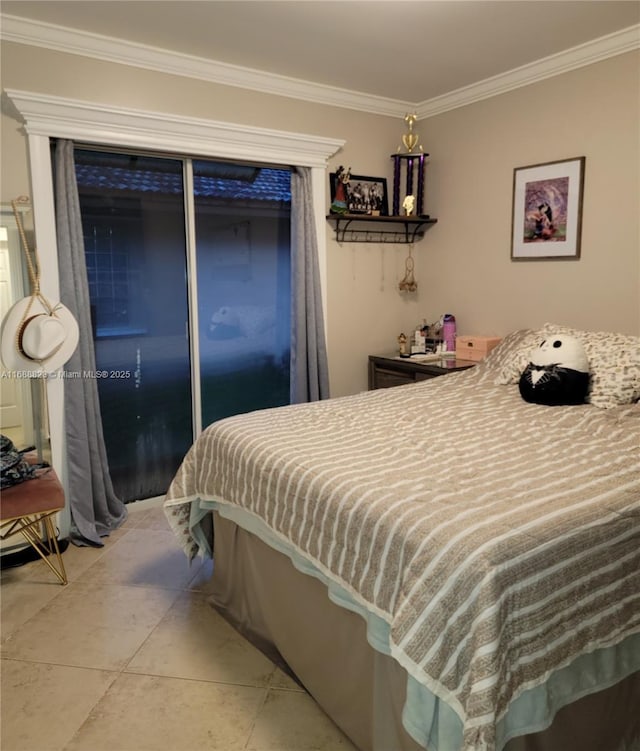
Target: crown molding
x,y
594,51
72,41
59,117
109,49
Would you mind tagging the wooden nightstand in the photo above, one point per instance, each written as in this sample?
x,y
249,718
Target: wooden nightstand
x,y
390,370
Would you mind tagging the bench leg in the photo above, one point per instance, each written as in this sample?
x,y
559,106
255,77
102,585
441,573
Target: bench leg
x,y
48,550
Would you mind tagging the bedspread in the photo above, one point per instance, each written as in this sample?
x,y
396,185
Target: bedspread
x,y
499,539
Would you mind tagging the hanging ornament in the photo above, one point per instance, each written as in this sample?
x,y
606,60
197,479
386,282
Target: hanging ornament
x,y
408,282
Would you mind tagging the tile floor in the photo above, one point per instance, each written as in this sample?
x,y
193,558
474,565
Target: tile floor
x,y
129,656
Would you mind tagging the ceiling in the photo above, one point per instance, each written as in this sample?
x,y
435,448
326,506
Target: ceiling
x,y
405,50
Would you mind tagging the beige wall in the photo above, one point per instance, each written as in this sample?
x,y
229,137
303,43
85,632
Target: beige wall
x,y
463,264
592,112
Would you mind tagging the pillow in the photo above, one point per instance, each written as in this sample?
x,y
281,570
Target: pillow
x,y
509,358
614,362
558,373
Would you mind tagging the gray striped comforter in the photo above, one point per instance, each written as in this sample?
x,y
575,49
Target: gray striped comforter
x,y
498,539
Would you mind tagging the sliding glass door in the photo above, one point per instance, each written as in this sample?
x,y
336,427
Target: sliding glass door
x,y
146,267
244,289
134,233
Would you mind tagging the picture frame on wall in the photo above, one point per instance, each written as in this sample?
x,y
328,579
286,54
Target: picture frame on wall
x,y
364,195
546,220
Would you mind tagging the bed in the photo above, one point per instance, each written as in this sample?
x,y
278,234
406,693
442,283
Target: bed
x,y
442,565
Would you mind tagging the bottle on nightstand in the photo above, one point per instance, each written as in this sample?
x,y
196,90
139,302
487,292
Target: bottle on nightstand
x,y
449,333
418,343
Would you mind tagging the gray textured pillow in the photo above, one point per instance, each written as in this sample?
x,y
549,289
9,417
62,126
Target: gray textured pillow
x,y
614,363
509,359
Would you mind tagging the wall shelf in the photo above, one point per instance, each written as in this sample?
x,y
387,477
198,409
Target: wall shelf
x,y
363,228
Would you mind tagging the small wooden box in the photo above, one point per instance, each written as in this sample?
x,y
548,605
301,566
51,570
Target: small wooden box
x,y
475,347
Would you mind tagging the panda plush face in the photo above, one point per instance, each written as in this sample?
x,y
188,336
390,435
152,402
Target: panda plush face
x,y
558,372
561,350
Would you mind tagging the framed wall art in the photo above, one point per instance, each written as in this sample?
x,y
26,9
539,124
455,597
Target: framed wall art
x,y
363,195
547,210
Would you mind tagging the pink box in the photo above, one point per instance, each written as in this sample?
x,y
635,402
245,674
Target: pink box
x,y
475,347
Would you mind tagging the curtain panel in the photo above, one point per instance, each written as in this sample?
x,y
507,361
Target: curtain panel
x,y
309,368
95,509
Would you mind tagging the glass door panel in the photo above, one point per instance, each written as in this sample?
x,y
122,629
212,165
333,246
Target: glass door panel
x,y
242,220
134,233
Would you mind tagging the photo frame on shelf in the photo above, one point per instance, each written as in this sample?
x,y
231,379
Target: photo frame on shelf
x,y
363,195
546,220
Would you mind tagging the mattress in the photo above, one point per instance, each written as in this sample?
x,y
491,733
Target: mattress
x,y
286,613
492,545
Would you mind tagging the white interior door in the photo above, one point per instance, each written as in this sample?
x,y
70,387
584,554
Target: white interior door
x,y
15,401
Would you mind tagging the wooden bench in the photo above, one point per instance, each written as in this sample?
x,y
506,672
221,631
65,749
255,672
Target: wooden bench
x,y
28,509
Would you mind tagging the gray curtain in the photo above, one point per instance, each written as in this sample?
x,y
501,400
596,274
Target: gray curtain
x,y
95,509
309,370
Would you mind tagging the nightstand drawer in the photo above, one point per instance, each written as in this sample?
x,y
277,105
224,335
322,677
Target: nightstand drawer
x,y
386,371
387,378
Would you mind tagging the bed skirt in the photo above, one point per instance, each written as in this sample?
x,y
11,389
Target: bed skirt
x,y
289,615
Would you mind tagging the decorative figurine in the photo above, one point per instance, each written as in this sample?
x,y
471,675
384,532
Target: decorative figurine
x,y
339,203
408,205
402,344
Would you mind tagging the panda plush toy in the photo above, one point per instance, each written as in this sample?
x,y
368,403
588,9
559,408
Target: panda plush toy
x,y
558,372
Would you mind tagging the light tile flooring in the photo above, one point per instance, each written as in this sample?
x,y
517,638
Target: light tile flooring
x,y
130,656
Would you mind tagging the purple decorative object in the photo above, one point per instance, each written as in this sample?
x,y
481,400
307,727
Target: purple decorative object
x,y
420,196
410,176
449,332
396,184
